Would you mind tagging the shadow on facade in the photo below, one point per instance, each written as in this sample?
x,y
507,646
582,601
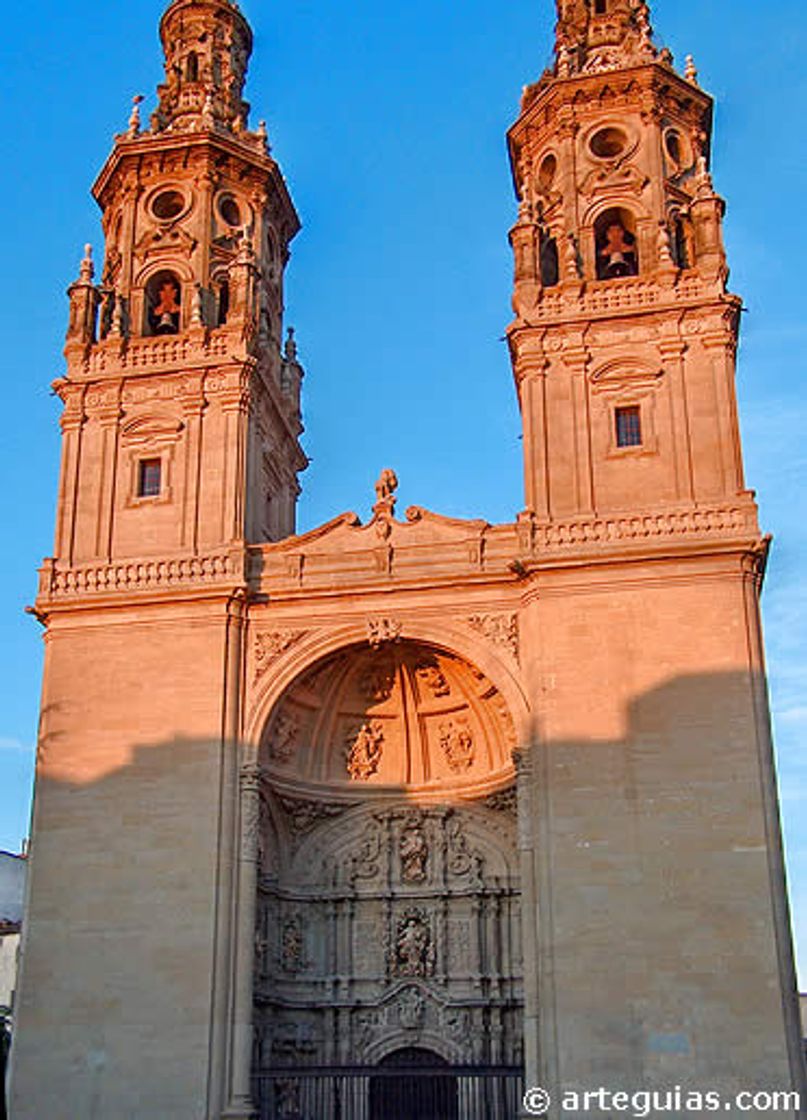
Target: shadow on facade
x,y
654,921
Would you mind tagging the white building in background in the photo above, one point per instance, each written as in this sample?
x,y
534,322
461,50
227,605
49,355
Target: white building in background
x,y
12,895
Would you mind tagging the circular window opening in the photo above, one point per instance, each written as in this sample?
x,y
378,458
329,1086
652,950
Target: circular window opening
x,y
608,142
673,144
546,175
168,205
228,208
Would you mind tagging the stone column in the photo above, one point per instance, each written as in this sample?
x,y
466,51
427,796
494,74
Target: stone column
x,y
241,1106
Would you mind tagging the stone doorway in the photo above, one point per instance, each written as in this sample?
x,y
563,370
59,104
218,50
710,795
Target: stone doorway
x,y
414,1087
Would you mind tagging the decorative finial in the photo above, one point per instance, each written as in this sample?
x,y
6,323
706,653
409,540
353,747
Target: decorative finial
x,y
118,328
197,318
385,493
704,187
664,245
572,257
87,269
690,70
134,119
290,347
263,136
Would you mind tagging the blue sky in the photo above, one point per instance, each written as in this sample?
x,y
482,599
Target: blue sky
x,y
388,120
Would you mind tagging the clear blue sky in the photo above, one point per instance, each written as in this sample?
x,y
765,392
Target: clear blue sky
x,y
388,120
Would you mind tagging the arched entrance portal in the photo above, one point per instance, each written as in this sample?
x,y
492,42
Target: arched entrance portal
x,y
389,893
410,1085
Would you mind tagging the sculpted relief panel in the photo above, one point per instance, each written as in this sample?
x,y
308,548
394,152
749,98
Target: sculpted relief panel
x,y
390,925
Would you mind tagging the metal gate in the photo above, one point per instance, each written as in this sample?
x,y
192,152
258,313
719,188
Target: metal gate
x,y
411,1091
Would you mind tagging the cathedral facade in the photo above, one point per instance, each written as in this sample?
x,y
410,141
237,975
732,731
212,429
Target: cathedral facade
x,y
401,818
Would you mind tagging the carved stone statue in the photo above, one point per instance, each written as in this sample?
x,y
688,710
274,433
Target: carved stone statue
x,y
457,743
414,952
385,493
364,751
414,852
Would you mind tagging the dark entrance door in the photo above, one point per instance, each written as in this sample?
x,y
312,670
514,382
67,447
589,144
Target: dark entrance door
x,y
411,1085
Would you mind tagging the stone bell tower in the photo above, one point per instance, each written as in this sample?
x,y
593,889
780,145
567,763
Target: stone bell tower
x,y
625,335
659,875
181,429
182,414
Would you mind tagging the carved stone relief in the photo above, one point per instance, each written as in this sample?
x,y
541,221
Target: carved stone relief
x,y
413,952
270,645
292,945
364,748
383,630
457,744
502,629
384,921
414,852
285,736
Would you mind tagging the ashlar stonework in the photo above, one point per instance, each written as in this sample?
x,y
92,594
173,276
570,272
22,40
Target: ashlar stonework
x,y
498,796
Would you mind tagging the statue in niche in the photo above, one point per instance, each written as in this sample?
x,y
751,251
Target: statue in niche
x,y
414,852
413,949
364,751
616,251
284,739
292,946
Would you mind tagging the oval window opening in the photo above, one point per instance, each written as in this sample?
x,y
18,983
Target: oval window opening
x,y
608,142
228,208
673,145
168,205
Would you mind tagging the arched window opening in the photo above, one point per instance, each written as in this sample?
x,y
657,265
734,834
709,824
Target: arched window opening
x,y
548,258
600,7
224,302
615,243
680,243
164,304
192,67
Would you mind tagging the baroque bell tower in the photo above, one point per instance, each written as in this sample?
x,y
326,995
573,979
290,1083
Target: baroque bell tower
x,y
625,334
182,410
181,449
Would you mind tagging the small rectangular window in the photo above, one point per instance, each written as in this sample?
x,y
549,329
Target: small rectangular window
x,y
600,7
149,478
629,427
